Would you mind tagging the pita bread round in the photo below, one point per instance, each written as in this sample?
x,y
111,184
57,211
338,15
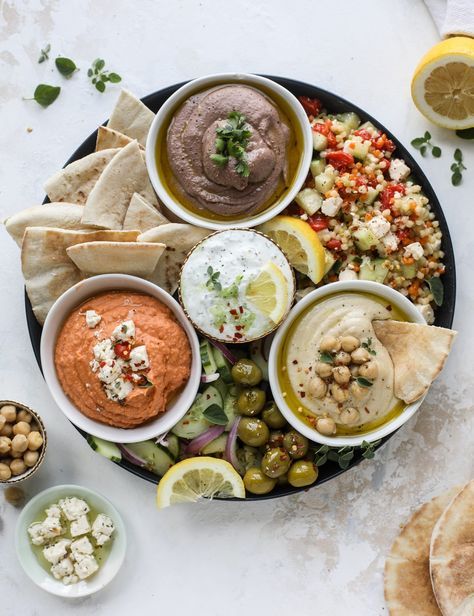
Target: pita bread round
x,y
103,257
408,589
452,555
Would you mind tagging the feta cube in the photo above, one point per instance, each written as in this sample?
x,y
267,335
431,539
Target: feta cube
x,y
86,567
36,533
415,250
379,226
110,370
426,312
70,579
125,331
331,206
80,548
80,526
51,527
348,274
63,568
53,511
390,241
104,350
102,528
73,507
398,170
119,389
92,319
56,552
139,358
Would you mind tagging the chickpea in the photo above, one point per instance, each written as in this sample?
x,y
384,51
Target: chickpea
x,y
9,412
22,427
354,370
341,374
14,495
30,458
350,343
7,430
342,359
369,370
16,454
317,387
360,356
3,421
17,467
349,416
326,426
329,344
5,472
19,443
358,391
5,445
24,416
35,440
338,393
323,370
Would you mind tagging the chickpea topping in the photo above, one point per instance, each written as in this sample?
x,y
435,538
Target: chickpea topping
x,y
19,443
7,430
9,412
360,356
22,427
24,416
326,426
338,393
17,466
14,495
342,359
354,370
329,344
349,416
350,343
35,440
323,370
341,374
369,370
5,472
317,387
3,421
31,458
358,391
5,445
16,454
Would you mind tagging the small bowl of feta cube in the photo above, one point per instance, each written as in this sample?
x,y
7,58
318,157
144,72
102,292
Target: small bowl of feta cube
x,y
70,541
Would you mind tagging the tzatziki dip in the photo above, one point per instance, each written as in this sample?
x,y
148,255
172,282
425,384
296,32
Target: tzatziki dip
x,y
236,286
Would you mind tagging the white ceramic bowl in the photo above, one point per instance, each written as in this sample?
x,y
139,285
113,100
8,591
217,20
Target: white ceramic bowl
x,y
361,286
34,510
63,306
160,125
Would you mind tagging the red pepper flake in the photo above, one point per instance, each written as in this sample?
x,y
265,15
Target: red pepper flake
x,y
302,394
241,310
389,307
295,361
239,327
233,311
221,329
102,364
238,336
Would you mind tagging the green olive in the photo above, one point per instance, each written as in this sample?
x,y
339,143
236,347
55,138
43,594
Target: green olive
x,y
272,416
276,438
275,462
246,372
302,473
251,401
295,444
257,482
283,480
253,432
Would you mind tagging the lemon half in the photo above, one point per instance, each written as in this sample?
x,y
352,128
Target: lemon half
x,y
269,292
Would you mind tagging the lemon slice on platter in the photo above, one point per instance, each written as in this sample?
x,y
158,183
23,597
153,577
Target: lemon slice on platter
x,y
269,292
196,478
300,244
443,84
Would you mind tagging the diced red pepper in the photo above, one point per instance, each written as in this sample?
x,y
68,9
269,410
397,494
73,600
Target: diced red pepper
x,y
312,106
387,194
122,350
363,134
325,129
334,244
340,160
405,236
318,222
387,165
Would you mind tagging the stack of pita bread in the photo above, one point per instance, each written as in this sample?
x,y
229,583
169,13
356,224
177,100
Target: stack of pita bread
x,y
103,217
430,568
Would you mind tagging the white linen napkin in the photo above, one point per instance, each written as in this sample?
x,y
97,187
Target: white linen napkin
x,y
452,17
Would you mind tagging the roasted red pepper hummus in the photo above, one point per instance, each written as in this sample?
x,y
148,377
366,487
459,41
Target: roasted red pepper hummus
x,y
121,357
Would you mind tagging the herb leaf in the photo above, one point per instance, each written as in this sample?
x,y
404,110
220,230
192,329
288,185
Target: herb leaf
x,y
326,357
436,151
458,155
232,141
437,289
457,168
467,133
99,77
363,382
215,415
423,143
44,94
44,55
65,66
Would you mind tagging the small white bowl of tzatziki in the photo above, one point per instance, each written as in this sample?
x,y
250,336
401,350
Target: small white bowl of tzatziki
x,y
236,286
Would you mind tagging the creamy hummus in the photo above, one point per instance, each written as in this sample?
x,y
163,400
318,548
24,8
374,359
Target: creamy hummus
x,y
155,348
343,316
191,142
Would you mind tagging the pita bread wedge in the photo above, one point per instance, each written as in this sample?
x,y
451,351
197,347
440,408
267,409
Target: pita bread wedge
x,y
141,215
179,239
131,117
110,138
418,353
408,589
108,201
58,215
47,269
74,183
452,555
137,259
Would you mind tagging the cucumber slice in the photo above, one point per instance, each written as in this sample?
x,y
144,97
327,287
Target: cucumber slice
x,y
173,445
324,181
374,270
215,446
193,423
320,141
409,271
223,366
158,459
365,239
230,409
105,448
317,166
221,387
309,200
350,120
372,194
207,357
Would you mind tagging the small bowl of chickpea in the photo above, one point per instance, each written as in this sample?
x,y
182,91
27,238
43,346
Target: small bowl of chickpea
x,y
22,442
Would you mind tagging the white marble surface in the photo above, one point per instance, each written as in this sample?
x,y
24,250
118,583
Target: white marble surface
x,y
318,553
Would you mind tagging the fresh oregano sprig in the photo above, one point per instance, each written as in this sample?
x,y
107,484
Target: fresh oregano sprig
x,y
100,77
457,168
65,66
44,55
424,143
344,455
213,283
231,141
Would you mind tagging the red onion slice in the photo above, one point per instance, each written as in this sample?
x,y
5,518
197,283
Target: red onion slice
x,y
209,378
220,346
131,456
198,443
230,453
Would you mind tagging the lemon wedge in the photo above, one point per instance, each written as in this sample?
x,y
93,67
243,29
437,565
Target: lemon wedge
x,y
300,244
443,84
196,478
269,292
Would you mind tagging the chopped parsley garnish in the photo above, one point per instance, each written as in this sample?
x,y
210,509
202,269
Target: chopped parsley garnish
x,y
231,142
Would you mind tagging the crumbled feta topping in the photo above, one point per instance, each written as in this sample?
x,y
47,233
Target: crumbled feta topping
x,y
119,389
398,170
80,526
53,511
92,319
63,568
86,567
73,507
70,579
379,226
102,528
54,553
125,331
139,358
348,274
331,206
104,350
110,370
426,312
390,241
36,533
415,250
80,548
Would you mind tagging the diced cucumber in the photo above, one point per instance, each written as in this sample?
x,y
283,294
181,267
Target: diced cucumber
x,y
193,423
317,166
230,409
350,119
358,148
368,125
404,203
309,200
222,365
215,446
365,239
221,387
172,445
324,181
372,194
320,141
106,448
329,261
158,459
207,357
211,395
373,269
409,271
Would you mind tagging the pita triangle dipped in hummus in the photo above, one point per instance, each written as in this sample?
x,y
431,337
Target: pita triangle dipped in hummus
x,y
418,353
110,138
452,555
74,183
47,269
141,215
408,590
58,215
131,117
108,201
179,240
138,259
